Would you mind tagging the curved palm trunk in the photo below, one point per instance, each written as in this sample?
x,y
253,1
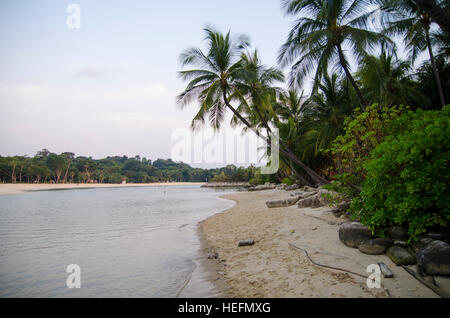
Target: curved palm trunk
x,y
349,75
283,149
435,70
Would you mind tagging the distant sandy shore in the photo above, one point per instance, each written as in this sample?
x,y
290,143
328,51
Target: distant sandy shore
x,y
271,268
20,188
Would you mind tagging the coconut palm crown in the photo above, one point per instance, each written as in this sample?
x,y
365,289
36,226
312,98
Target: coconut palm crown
x,y
326,34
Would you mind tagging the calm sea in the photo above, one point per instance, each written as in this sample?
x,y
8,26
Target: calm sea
x,y
128,242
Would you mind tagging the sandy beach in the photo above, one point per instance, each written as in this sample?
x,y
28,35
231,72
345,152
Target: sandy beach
x,y
272,268
8,188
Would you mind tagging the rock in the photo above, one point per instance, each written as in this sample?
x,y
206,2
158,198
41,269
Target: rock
x,y
262,187
400,256
292,187
440,236
400,243
297,194
226,185
317,199
375,246
353,234
282,203
434,259
246,243
308,202
398,233
213,256
342,207
421,243
281,186
308,189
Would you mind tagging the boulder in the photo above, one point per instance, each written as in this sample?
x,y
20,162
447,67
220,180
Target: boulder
x,y
312,201
421,243
375,246
398,233
434,259
282,203
292,187
400,256
353,234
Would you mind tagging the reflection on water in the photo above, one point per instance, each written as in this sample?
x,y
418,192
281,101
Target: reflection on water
x,y
128,242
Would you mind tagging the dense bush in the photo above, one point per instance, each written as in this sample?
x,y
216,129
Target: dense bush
x,y
363,131
407,175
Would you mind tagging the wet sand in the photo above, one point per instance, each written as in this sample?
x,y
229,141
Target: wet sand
x,y
8,188
271,268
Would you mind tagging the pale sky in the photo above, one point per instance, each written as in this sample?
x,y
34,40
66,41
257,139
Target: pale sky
x,y
109,88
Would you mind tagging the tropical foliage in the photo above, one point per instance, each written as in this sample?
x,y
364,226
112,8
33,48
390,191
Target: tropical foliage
x,y
407,175
334,130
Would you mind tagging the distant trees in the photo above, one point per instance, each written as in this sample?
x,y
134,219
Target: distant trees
x,y
48,167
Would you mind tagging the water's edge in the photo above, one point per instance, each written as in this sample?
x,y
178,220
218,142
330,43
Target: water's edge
x,y
205,275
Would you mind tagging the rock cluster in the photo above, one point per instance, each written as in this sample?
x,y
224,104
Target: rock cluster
x,y
431,251
431,255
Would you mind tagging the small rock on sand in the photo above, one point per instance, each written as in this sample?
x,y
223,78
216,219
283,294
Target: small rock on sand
x,y
246,243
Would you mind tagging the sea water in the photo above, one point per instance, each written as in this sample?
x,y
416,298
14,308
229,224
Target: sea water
x,y
126,242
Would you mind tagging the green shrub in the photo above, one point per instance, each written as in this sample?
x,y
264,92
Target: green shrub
x,y
364,130
407,175
287,181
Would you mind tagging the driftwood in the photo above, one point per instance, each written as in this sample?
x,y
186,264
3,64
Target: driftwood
x,y
385,270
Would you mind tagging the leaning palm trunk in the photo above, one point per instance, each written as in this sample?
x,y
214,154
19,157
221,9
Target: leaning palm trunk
x,y
349,75
285,151
435,70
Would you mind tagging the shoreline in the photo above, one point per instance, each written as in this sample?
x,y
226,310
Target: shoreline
x,y
18,188
272,269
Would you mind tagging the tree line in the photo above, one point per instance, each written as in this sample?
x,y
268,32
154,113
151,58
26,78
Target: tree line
x,y
49,167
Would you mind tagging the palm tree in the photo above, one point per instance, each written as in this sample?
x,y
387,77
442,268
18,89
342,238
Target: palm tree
x,y
322,31
327,111
387,80
256,91
213,81
216,80
408,19
439,11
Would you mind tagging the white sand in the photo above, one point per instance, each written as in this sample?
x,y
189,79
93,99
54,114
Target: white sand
x,y
271,268
20,188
